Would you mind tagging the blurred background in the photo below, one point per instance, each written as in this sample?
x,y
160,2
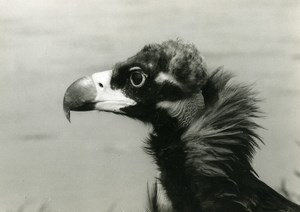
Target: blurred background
x,y
97,163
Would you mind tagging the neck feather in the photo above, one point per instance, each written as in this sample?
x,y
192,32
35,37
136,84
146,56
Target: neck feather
x,y
205,157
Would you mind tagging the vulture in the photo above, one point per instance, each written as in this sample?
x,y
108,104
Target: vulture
x,y
204,130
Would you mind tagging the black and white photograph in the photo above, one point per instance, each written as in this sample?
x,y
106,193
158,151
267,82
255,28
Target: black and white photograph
x,y
150,106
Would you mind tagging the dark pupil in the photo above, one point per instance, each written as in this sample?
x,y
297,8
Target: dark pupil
x,y
136,78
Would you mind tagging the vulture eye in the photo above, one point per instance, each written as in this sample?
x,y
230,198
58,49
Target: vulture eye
x,y
137,77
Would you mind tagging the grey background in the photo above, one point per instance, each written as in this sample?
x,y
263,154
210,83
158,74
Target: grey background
x,y
97,161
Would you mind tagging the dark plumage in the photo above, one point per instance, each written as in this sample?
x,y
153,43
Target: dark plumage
x,y
204,133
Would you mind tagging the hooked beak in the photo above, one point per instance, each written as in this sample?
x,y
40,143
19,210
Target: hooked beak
x,y
95,93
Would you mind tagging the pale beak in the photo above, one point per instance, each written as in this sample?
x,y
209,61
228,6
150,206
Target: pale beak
x,y
95,93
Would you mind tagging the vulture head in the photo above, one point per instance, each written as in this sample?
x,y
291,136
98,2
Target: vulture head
x,y
162,82
204,129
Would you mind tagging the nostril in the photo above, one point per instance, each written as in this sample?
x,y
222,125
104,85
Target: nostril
x,y
101,85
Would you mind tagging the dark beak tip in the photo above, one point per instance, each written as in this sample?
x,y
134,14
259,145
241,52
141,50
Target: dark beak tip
x,y
67,114
78,95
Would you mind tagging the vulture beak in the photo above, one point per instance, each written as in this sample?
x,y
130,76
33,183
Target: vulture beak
x,y
95,93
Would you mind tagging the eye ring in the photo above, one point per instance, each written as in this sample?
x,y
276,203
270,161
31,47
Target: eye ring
x,y
137,78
